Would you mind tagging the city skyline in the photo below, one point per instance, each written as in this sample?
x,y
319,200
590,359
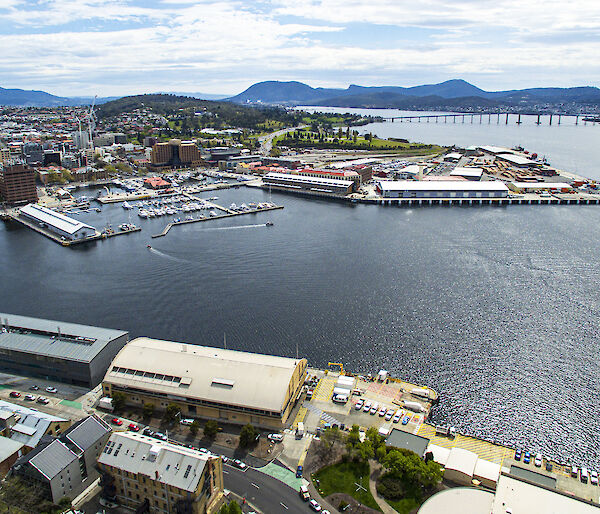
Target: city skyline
x,y
87,47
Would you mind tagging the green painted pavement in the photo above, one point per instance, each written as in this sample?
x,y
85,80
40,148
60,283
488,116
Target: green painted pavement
x,y
283,475
74,405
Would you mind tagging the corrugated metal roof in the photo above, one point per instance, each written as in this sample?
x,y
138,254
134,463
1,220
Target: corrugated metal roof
x,y
169,464
87,433
8,447
52,459
448,185
309,180
259,381
54,219
50,346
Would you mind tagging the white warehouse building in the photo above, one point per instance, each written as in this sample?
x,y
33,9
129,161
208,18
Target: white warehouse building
x,y
441,189
60,224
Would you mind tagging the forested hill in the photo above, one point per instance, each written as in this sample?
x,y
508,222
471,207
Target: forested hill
x,y
223,113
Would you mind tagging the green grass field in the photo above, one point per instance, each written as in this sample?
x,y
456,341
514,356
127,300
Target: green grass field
x,y
342,478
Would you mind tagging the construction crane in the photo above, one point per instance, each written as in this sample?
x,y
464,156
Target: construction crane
x,y
92,122
337,364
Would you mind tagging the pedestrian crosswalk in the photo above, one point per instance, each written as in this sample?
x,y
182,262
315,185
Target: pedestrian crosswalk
x,y
323,416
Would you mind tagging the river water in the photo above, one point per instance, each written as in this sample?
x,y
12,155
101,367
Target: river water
x,y
495,307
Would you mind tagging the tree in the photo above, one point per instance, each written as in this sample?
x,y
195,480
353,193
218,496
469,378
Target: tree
x,y
194,427
275,152
148,410
118,400
171,412
232,508
211,429
247,435
410,469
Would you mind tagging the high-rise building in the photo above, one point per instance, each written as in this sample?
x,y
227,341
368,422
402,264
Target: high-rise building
x,y
33,153
175,154
17,184
4,154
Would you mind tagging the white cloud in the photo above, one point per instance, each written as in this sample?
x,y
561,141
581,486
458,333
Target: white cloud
x,y
226,45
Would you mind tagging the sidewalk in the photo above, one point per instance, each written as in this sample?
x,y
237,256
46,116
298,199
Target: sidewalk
x,y
375,469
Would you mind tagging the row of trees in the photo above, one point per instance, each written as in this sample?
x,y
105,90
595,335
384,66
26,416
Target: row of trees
x,y
248,434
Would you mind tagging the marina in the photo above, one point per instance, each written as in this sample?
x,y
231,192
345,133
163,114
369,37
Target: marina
x,y
227,213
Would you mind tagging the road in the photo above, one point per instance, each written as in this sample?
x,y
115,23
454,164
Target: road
x,y
266,142
267,494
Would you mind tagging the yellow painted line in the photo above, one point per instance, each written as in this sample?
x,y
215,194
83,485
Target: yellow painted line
x,y
300,416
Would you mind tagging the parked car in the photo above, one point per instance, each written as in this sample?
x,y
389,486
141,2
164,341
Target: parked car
x,y
583,475
238,464
367,407
405,420
186,422
34,388
148,432
574,471
160,435
389,415
314,505
382,412
30,397
116,421
299,472
594,477
225,459
43,400
518,454
374,409
15,394
133,427
538,460
548,466
275,438
51,389
527,458
303,492
359,405
396,418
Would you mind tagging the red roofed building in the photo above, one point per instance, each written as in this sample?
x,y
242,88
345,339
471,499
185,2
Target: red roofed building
x,y
339,175
156,183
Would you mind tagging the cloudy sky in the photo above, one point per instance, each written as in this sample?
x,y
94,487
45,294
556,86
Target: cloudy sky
x,y
116,47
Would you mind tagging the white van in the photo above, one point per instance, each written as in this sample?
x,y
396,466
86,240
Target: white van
x,y
300,430
340,398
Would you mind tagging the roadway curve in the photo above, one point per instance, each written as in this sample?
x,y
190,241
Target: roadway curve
x,y
266,142
266,493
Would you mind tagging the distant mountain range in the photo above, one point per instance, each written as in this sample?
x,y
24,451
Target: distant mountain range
x,y
452,94
29,98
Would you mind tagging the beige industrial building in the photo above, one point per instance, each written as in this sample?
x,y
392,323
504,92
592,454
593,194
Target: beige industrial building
x,y
206,382
152,476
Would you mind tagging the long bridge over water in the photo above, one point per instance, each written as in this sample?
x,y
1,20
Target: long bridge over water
x,y
498,118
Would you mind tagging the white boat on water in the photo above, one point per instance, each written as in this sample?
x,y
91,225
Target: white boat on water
x,y
143,213
127,205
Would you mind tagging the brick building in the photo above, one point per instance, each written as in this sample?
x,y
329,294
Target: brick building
x,y
17,184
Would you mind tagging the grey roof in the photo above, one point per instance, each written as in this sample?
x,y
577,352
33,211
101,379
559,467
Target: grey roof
x,y
43,337
173,465
8,447
87,433
401,439
52,459
32,424
304,179
533,476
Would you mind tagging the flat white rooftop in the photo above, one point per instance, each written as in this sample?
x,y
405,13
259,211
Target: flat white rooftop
x,y
54,219
542,185
462,171
441,185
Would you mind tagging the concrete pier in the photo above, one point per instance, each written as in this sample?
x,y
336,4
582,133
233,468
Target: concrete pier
x,y
228,214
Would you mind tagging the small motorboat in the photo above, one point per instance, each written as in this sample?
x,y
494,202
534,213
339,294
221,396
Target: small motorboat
x,y
269,223
149,247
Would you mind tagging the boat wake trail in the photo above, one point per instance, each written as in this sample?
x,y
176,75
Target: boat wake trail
x,y
170,257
